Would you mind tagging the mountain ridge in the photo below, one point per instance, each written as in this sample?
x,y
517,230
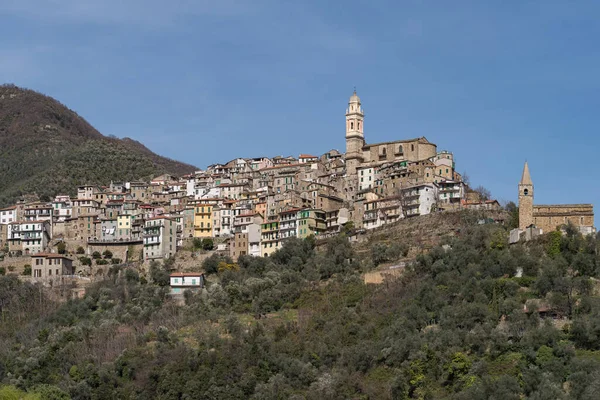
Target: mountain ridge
x,y
47,148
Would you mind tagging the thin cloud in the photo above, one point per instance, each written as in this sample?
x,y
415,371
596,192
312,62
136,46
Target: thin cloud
x,y
151,13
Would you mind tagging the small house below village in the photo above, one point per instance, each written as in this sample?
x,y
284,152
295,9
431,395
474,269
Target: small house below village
x,y
182,281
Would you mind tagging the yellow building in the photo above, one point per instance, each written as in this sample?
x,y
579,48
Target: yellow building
x,y
124,224
202,220
269,238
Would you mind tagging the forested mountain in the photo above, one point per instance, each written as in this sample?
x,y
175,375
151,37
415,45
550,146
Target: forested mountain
x,y
46,149
303,325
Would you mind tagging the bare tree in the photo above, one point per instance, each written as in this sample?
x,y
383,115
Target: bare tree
x,y
465,178
484,194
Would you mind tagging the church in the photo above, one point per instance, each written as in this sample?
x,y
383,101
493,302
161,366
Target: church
x,y
359,153
550,216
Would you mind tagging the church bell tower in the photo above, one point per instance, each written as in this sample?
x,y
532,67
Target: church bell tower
x,y
525,199
355,138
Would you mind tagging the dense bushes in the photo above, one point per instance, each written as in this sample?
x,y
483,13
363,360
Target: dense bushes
x,y
302,324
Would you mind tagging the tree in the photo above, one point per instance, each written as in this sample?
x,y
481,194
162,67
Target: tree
x,y
484,194
211,264
107,254
85,261
96,255
80,250
512,208
197,243
466,178
159,274
61,248
27,270
207,244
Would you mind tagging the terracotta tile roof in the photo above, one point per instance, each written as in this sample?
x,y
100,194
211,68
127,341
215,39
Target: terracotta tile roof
x,y
51,255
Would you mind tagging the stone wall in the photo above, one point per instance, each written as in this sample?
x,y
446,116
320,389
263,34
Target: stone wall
x,y
548,217
119,250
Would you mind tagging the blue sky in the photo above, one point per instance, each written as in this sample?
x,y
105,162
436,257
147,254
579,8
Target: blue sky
x,y
207,81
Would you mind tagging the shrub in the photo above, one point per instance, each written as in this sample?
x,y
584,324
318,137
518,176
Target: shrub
x,y
80,250
96,255
116,261
2,271
27,270
101,262
107,254
11,268
197,243
159,274
207,244
85,261
61,248
211,264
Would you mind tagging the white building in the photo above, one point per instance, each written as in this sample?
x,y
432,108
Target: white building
x,y
8,215
160,238
419,199
288,223
30,237
451,192
366,177
62,208
182,281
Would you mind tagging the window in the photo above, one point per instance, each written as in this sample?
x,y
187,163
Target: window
x,y
526,192
351,125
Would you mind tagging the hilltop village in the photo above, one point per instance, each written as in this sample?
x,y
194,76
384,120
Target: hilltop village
x,y
250,206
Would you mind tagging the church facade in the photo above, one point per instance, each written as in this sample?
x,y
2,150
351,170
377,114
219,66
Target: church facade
x,y
550,216
359,153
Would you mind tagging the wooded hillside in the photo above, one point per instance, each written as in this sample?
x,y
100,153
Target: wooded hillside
x,y
302,325
47,149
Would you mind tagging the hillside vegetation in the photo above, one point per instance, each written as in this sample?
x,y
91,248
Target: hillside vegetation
x,y
47,149
303,325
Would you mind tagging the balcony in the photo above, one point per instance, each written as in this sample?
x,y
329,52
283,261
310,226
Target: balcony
x,y
119,241
154,225
449,189
151,233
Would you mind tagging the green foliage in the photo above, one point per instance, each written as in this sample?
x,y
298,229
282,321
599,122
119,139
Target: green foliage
x,y
12,393
115,261
61,247
302,324
70,151
197,243
159,273
207,244
554,242
101,262
27,270
85,261
80,250
96,255
2,271
512,208
211,264
380,252
107,254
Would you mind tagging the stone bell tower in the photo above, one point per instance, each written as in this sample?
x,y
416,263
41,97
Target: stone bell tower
x,y
525,199
355,138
